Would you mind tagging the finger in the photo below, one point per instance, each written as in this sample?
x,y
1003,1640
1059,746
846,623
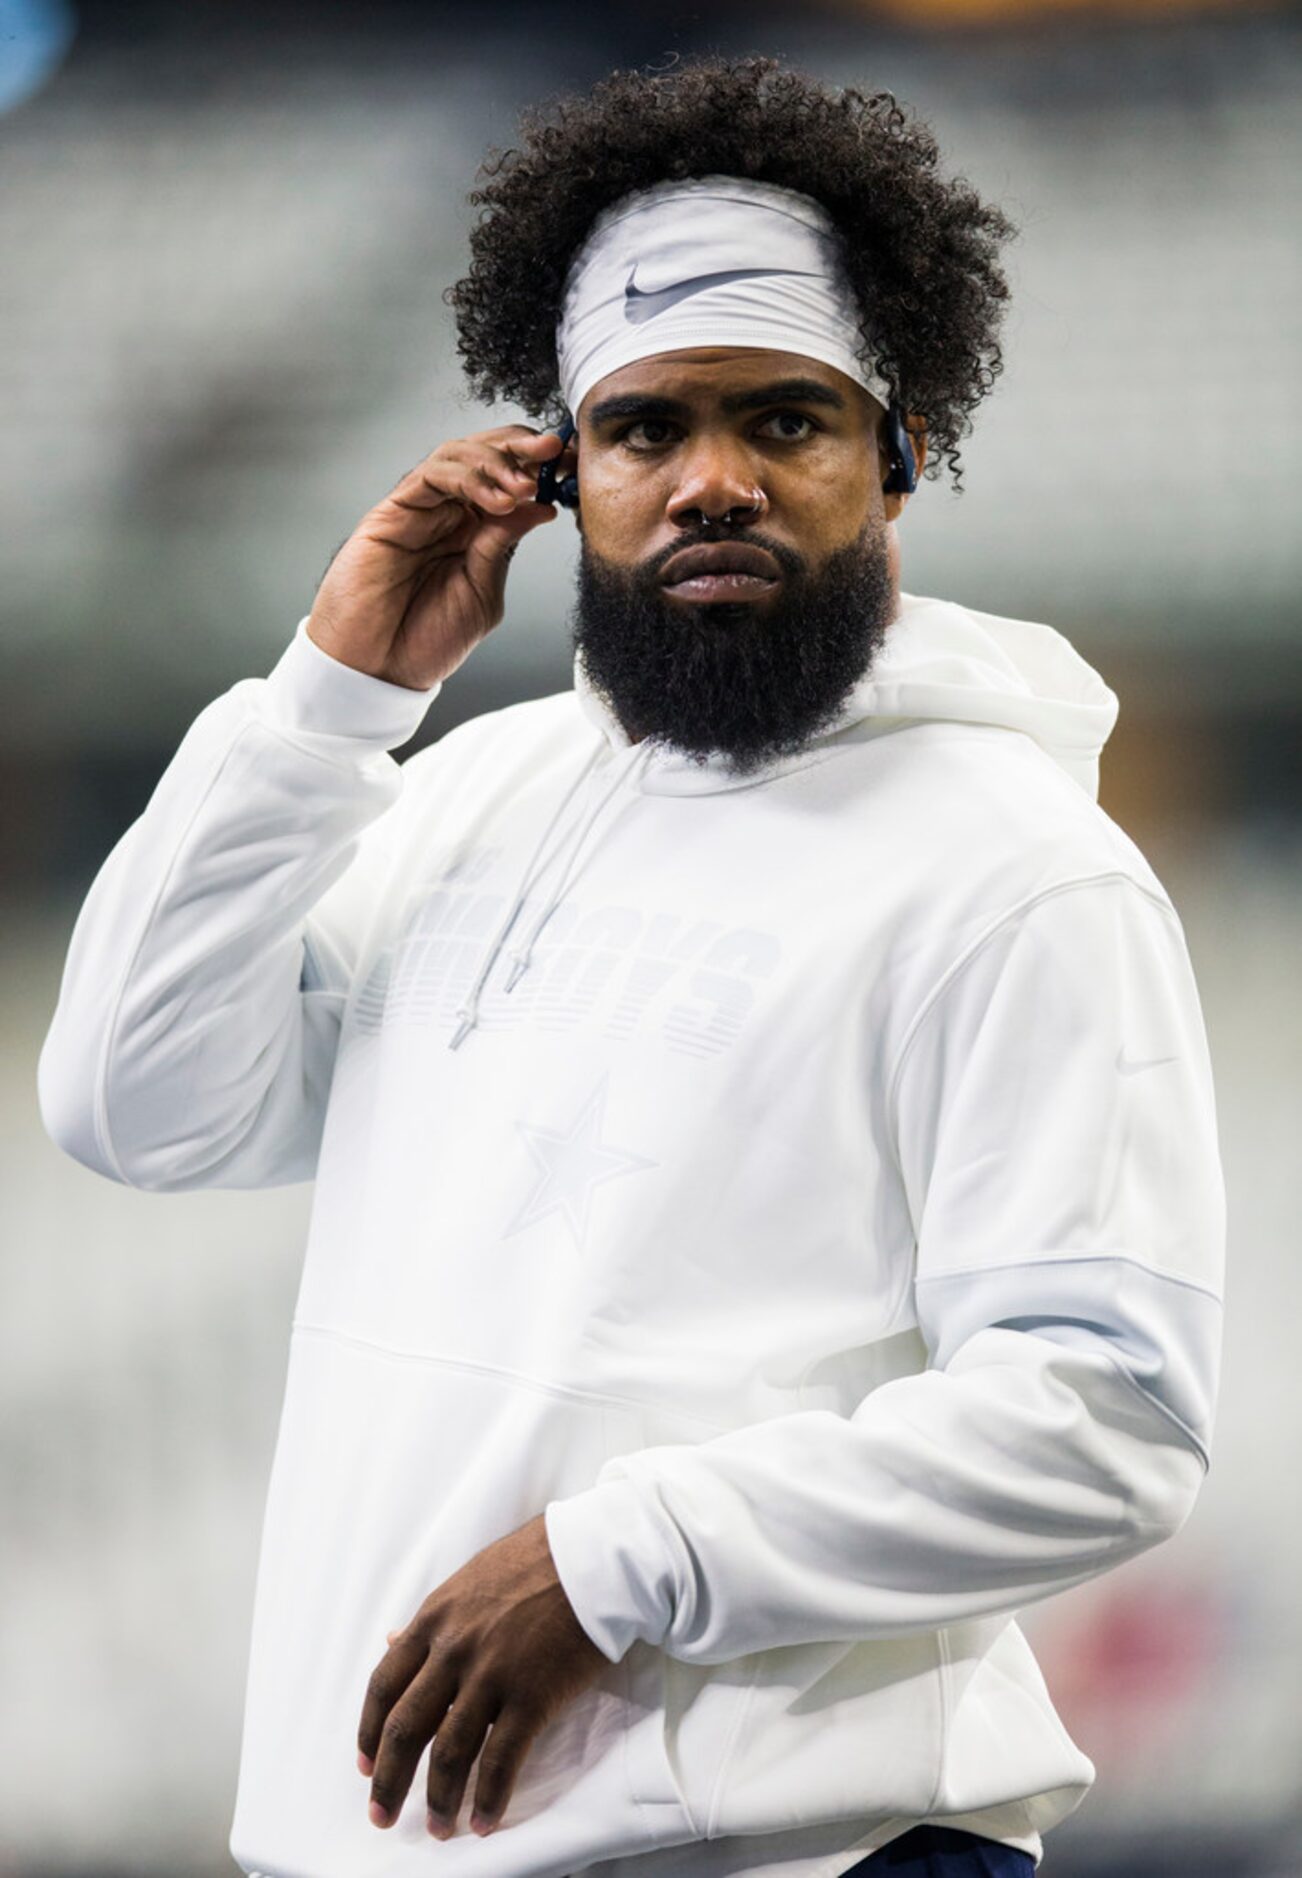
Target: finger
x,y
389,1681
459,1737
516,464
407,1728
518,438
518,471
441,474
509,466
546,448
487,485
490,479
499,1768
455,475
521,454
496,486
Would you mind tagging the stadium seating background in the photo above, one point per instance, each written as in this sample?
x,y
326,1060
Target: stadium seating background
x,y
225,233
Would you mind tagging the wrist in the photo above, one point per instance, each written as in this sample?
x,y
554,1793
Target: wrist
x,y
309,689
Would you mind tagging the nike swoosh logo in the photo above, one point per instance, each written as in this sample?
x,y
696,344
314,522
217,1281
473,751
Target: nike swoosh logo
x,y
643,303
1130,1066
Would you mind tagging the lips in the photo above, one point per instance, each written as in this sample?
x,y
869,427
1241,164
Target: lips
x,y
719,559
723,573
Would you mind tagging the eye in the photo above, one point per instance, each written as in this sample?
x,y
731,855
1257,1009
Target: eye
x,y
646,424
791,417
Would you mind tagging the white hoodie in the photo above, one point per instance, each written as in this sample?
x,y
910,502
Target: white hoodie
x,y
802,1188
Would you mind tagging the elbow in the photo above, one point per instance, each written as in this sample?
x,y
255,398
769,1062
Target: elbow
x,y
148,1124
65,1094
1142,1441
68,1113
70,1098
1163,1500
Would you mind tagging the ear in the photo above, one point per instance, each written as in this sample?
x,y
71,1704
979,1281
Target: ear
x,y
916,428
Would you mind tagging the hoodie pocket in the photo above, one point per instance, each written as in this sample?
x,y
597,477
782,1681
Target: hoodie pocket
x,y
696,1711
777,1739
654,1780
817,1732
669,1773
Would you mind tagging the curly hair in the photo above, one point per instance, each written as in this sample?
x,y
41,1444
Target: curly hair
x,y
921,253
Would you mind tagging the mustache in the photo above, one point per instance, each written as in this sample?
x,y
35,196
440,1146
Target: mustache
x,y
792,564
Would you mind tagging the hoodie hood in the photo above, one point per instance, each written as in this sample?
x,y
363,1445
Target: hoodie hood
x,y
939,662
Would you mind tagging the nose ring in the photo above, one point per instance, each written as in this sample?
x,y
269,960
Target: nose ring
x,y
756,501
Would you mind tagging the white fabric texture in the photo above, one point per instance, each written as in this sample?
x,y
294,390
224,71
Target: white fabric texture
x,y
711,261
824,1231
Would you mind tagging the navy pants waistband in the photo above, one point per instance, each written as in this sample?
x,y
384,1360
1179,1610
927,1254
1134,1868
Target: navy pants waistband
x,y
941,1852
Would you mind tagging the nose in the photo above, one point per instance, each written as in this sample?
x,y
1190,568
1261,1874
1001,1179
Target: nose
x,y
716,485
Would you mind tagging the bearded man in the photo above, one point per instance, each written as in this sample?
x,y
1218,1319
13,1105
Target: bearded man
x,y
768,1219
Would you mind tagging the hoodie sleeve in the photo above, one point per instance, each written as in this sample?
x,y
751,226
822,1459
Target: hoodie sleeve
x,y
1056,1138
194,1037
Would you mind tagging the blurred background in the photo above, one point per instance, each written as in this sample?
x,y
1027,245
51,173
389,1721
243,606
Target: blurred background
x,y
225,230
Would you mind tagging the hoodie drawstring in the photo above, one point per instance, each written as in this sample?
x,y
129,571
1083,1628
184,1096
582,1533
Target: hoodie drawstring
x,y
520,955
468,1011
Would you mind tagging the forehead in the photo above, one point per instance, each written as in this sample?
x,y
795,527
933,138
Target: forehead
x,y
703,375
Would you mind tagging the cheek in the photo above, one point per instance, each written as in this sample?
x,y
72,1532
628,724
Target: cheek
x,y
620,513
830,502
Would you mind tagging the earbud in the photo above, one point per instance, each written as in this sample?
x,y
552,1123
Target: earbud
x,y
903,479
566,492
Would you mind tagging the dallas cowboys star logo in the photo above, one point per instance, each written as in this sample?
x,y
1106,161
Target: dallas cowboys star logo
x,y
571,1165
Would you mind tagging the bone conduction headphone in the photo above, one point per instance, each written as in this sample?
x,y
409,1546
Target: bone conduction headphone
x,y
903,478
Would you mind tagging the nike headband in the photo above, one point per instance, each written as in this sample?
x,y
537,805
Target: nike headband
x,y
713,261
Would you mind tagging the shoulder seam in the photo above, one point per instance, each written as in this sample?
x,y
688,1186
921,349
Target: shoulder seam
x,y
955,970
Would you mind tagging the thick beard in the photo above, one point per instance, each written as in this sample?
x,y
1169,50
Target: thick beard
x,y
748,682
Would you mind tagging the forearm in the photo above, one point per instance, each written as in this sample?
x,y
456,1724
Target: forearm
x,y
1066,1283
1023,1469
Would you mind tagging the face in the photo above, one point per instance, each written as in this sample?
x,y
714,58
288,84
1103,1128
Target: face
x,y
737,566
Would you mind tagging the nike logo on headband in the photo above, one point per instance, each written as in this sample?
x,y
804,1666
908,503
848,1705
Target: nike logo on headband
x,y
643,303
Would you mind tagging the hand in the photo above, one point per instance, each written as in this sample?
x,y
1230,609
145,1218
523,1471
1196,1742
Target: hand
x,y
422,578
499,1636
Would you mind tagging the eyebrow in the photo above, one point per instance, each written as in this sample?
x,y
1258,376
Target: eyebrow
x,y
784,391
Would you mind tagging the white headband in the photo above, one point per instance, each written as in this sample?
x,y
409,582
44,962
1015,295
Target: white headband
x,y
717,261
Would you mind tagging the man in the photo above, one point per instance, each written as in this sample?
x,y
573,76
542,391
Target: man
x,y
768,1220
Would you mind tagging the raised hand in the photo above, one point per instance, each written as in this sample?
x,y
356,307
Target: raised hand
x,y
422,578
